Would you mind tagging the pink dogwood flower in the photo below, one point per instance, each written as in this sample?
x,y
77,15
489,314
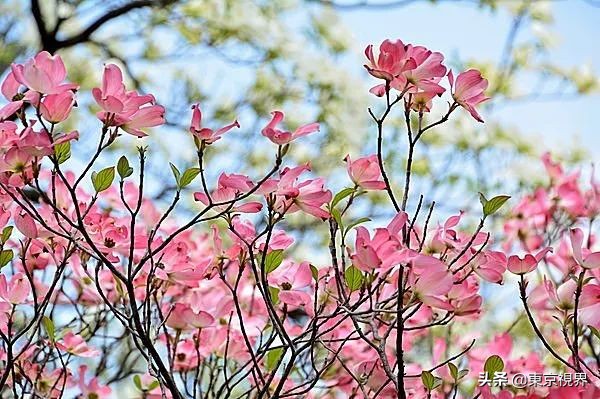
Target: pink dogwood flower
x,y
293,281
583,256
76,345
56,108
527,263
43,73
207,135
16,290
390,62
365,172
469,91
589,305
92,388
293,195
281,137
383,250
182,317
128,110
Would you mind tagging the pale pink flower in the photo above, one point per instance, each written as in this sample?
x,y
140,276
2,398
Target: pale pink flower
x,y
589,305
76,345
469,91
583,256
44,73
16,290
25,224
294,282
382,251
56,108
182,317
365,172
281,137
92,388
126,109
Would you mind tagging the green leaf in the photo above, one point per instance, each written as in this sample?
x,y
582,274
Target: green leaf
x,y
176,173
315,272
274,292
123,168
273,357
5,257
494,364
49,327
137,381
337,216
103,179
462,374
62,152
153,385
273,260
188,176
6,233
428,380
453,370
341,195
595,331
354,278
493,205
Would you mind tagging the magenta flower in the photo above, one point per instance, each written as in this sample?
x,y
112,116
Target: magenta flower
x,y
283,137
469,91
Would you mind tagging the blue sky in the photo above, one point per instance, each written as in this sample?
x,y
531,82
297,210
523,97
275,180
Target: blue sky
x,y
459,28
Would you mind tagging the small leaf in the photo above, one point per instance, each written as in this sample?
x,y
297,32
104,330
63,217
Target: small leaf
x,y
462,374
493,205
6,233
482,199
337,216
428,380
155,384
62,152
453,370
354,278
494,364
49,327
273,357
273,260
123,168
137,381
274,292
315,272
340,196
595,331
176,173
188,176
5,257
103,179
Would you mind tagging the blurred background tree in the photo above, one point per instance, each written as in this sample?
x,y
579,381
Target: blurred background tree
x,y
243,58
